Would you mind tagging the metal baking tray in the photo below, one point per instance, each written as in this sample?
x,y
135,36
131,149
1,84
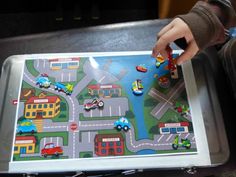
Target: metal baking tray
x,y
85,112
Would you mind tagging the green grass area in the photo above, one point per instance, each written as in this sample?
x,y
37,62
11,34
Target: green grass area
x,y
176,151
17,157
30,67
86,154
114,131
172,117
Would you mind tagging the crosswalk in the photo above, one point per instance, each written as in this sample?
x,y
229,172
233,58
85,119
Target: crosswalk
x,y
39,124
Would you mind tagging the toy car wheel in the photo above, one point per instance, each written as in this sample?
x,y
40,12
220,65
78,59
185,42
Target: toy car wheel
x,y
56,154
55,88
118,127
175,146
126,128
20,132
188,147
100,104
40,85
32,131
45,155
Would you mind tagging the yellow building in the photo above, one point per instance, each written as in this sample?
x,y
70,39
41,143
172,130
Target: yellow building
x,y
64,63
42,106
24,145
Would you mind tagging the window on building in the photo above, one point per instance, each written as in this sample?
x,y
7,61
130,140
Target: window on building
x,y
40,106
15,148
51,105
118,150
45,106
29,106
44,113
56,64
104,151
34,106
50,113
111,144
33,113
118,143
27,114
103,144
30,148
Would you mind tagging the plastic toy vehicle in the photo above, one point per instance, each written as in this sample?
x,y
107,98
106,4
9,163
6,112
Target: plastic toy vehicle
x,y
68,89
43,81
141,68
159,61
26,127
164,82
96,103
51,149
137,87
184,143
122,123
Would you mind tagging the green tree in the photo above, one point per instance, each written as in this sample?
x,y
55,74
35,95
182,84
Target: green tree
x,y
63,106
129,114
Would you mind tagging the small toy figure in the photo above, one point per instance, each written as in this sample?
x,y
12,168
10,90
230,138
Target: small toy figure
x,y
172,66
137,87
68,89
43,81
184,143
26,126
141,68
164,82
51,149
96,103
159,61
122,123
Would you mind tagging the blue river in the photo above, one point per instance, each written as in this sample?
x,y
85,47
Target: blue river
x,y
129,63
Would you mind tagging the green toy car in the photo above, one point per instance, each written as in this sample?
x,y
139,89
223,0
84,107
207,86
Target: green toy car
x,y
184,143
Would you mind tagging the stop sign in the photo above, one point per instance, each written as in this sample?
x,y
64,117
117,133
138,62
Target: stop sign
x,y
73,126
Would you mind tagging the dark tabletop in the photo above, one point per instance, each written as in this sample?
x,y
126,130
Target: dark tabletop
x,y
132,36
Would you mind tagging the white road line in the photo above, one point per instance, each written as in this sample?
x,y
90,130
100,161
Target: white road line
x,y
88,137
63,126
159,139
169,137
44,63
101,79
37,63
29,78
73,144
96,125
193,138
57,141
91,113
69,77
110,110
119,111
62,77
186,136
44,141
67,129
51,139
73,109
160,96
100,113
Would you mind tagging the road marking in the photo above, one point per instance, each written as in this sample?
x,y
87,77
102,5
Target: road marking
x,y
169,137
44,141
51,139
193,138
29,78
119,111
37,64
159,139
62,77
69,77
57,141
96,125
88,137
100,113
73,109
91,113
62,126
101,79
110,110
186,136
161,97
67,129
44,63
73,144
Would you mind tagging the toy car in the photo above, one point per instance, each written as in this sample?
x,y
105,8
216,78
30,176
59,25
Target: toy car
x,y
43,81
51,149
159,61
141,68
68,89
26,126
96,103
122,123
137,87
184,143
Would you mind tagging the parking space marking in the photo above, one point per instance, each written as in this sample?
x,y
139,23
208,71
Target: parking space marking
x,y
37,63
169,137
91,113
159,139
69,77
110,110
44,63
186,136
100,113
44,141
62,77
119,111
101,79
88,137
57,141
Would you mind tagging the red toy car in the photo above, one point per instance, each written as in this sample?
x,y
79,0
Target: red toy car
x,y
51,149
96,103
141,68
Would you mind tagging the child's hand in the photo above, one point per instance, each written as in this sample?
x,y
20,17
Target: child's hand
x,y
175,30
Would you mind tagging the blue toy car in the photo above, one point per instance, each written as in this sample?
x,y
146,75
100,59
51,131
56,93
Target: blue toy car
x,y
43,81
122,123
68,89
26,126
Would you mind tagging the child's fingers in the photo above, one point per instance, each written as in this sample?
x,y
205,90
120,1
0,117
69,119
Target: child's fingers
x,y
164,30
188,54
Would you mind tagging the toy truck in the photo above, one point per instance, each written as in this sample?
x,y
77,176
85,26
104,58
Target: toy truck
x,y
68,89
50,149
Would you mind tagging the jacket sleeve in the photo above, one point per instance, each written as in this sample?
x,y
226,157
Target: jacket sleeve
x,y
210,20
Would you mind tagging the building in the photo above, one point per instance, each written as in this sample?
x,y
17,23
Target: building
x,y
42,106
106,90
109,144
24,145
173,128
64,63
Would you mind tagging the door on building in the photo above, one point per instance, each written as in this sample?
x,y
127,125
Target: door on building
x,y
64,65
111,151
39,115
23,150
173,130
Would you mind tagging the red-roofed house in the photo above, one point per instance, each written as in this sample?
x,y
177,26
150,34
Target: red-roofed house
x,y
24,145
42,106
105,90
